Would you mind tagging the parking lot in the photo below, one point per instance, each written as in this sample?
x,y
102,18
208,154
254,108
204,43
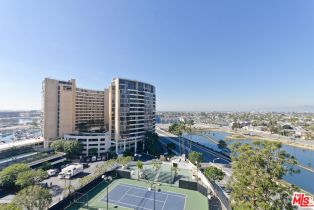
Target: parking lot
x,y
57,185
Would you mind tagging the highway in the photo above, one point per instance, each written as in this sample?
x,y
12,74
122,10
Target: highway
x,y
208,155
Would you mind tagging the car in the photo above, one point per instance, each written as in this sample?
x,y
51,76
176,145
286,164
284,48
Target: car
x,y
94,158
227,190
52,172
55,190
43,185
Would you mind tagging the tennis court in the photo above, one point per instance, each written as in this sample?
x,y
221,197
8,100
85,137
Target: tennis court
x,y
126,194
140,198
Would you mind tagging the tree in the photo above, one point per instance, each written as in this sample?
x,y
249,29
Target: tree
x,y
273,129
235,125
175,169
195,157
214,174
45,166
257,173
33,197
171,146
9,174
124,160
93,152
72,148
172,127
178,128
10,206
139,165
222,145
30,177
127,152
151,142
58,145
156,165
67,190
190,124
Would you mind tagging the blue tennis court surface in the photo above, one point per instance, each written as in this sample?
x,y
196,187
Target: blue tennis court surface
x,y
140,198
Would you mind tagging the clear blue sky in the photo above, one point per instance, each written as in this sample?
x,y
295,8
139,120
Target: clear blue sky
x,y
200,55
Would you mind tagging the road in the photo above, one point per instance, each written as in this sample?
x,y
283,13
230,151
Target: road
x,y
58,185
209,156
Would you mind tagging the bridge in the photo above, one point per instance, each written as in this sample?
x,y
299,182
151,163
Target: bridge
x,y
54,159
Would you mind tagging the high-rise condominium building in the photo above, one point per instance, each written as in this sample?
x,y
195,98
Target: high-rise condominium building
x,y
122,113
132,111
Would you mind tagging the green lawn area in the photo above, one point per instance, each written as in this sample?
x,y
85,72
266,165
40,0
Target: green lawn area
x,y
194,199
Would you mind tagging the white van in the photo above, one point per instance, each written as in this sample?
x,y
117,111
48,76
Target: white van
x,y
52,172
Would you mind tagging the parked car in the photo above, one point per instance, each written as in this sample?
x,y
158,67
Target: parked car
x,y
70,171
94,158
52,172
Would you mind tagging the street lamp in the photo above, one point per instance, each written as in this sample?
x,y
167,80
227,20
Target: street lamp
x,y
153,187
107,179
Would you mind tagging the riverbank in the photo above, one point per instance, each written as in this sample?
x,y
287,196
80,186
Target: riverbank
x,y
301,179
241,135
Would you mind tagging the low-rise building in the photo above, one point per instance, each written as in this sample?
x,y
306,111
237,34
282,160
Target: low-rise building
x,y
92,141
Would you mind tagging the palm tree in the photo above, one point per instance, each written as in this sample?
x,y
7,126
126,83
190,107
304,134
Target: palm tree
x,y
180,129
175,171
190,123
68,188
222,145
139,165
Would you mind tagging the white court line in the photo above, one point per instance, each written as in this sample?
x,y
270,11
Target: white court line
x,y
143,197
164,203
125,194
140,188
165,192
127,204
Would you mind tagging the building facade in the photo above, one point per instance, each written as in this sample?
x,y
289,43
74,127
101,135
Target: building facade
x,y
132,108
92,143
124,111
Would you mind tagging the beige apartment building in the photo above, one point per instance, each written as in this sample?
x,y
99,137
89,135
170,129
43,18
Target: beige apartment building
x,y
123,112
